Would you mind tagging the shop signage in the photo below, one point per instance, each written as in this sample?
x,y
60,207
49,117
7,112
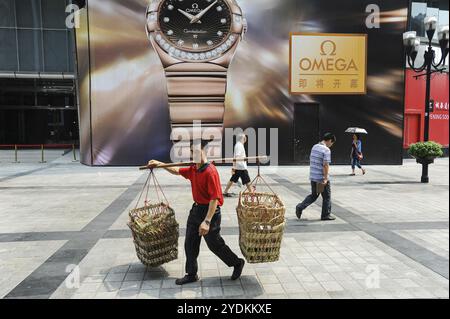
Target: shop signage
x,y
328,63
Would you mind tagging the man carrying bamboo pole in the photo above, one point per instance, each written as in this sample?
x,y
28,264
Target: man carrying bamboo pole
x,y
205,216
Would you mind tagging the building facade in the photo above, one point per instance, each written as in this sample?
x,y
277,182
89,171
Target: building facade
x,y
121,98
415,86
37,82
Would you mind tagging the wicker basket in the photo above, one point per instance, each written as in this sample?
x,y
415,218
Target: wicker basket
x,y
154,228
261,226
155,234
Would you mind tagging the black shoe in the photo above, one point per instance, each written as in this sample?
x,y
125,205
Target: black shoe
x,y
329,217
238,270
298,212
186,280
228,195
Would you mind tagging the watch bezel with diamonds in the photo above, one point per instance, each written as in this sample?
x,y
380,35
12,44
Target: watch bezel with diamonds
x,y
237,28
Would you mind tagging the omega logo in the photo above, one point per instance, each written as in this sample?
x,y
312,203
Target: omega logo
x,y
323,46
328,62
195,8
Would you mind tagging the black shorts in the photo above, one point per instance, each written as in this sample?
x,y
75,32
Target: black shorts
x,y
243,175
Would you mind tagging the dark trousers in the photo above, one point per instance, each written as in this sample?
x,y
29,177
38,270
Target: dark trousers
x,y
213,239
326,195
356,162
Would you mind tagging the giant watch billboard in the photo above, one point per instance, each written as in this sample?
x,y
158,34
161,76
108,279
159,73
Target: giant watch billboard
x,y
130,102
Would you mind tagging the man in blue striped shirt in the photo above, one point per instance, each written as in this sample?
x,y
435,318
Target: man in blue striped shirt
x,y
320,161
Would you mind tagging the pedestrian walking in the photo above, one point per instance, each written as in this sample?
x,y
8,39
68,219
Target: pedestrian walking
x,y
356,155
239,170
320,160
205,216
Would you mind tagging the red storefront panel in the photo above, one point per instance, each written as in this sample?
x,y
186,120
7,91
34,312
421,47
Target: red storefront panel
x,y
415,109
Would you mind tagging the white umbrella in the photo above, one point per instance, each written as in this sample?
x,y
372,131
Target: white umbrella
x,y
356,130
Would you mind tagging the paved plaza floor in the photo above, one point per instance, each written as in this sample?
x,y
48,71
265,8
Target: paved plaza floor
x,y
63,234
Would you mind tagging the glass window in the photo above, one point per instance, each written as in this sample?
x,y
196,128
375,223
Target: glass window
x,y
443,17
28,13
7,13
55,51
54,14
418,14
30,50
8,50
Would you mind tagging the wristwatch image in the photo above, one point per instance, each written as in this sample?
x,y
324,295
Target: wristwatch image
x,y
196,41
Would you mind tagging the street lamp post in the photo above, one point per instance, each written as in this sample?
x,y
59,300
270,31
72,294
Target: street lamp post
x,y
412,45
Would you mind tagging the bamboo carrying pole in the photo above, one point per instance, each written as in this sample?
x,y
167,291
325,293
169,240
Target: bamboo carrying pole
x,y
220,160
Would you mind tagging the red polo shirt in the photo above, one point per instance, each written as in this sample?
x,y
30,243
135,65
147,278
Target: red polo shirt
x,y
205,183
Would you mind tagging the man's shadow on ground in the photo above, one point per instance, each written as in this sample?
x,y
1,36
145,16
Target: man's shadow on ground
x,y
160,274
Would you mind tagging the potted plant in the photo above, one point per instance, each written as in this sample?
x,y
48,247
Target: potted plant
x,y
426,152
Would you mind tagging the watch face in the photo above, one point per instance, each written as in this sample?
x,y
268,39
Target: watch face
x,y
195,25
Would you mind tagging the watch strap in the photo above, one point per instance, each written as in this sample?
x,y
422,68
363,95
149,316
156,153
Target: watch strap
x,y
196,93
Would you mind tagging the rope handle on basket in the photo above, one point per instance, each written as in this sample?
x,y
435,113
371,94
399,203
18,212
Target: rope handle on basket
x,y
259,178
157,187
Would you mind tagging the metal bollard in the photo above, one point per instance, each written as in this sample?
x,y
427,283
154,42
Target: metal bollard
x,y
42,154
15,154
74,153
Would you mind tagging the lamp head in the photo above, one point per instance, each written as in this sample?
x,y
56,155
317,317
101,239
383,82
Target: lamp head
x,y
443,37
415,50
409,39
430,26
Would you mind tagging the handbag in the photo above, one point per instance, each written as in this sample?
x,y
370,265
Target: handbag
x,y
320,188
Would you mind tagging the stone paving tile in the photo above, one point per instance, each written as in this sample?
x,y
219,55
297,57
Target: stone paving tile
x,y
323,277
286,278
89,288
191,293
233,291
212,291
273,289
319,295
268,279
340,294
130,276
127,294
110,286
106,295
253,290
350,285
406,283
211,282
332,286
115,277
94,278
149,294
313,287
151,284
170,293
131,285
291,288
83,296
381,294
